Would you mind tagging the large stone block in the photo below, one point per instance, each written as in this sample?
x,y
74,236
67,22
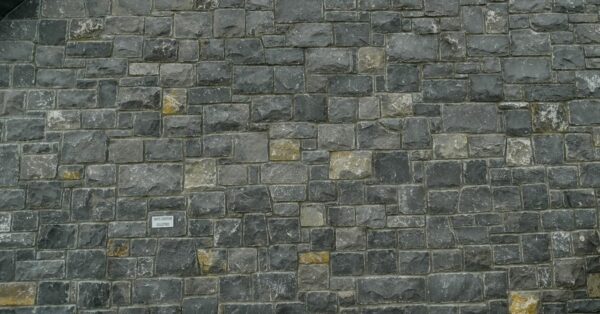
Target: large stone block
x,y
17,294
348,165
150,179
375,290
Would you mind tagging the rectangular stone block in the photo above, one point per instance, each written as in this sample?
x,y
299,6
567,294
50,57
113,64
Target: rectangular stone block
x,y
350,165
16,51
157,291
470,118
150,179
17,293
455,288
397,289
9,165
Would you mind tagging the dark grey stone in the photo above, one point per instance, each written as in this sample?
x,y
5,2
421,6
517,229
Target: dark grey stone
x,y
150,179
455,288
391,290
391,167
57,236
86,264
93,294
289,11
249,199
176,257
157,290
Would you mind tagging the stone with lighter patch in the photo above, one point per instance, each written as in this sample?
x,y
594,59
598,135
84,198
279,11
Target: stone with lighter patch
x,y
162,222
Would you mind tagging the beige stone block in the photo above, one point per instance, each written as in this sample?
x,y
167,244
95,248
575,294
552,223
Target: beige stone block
x,y
371,60
200,173
524,303
518,152
284,150
314,258
350,165
450,146
173,101
17,293
312,215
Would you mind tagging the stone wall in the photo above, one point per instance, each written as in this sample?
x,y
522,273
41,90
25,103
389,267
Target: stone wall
x,y
290,156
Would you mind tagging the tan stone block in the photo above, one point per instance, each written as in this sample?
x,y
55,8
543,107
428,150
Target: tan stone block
x,y
173,101
212,261
524,303
200,173
596,136
284,149
17,293
117,248
349,165
312,215
396,105
314,258
593,285
371,60
70,175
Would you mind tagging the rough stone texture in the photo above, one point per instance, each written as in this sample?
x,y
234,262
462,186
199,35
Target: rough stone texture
x,y
300,156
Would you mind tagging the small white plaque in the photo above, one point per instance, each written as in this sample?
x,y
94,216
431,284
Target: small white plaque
x,y
162,222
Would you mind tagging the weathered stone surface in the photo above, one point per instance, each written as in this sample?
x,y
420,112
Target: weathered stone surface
x,y
86,264
450,146
289,11
310,35
200,173
391,290
527,70
584,112
482,118
249,199
79,146
350,165
518,152
283,173
455,287
330,60
412,48
17,294
139,98
391,167
38,167
314,258
284,150
157,291
176,257
371,60
312,215
524,303
150,179
549,117
57,236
